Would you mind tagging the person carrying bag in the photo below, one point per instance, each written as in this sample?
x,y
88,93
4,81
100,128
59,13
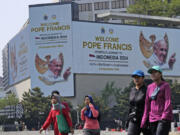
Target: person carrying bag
x,y
62,123
59,116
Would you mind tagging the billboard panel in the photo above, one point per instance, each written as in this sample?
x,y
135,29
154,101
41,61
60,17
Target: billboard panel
x,y
51,48
121,49
19,57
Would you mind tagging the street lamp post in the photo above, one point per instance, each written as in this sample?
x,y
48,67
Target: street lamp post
x,y
77,114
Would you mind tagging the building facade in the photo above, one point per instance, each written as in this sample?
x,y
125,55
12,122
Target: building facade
x,y
5,66
88,9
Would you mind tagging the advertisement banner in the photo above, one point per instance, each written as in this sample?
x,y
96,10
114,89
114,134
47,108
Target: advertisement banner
x,y
120,49
51,48
19,57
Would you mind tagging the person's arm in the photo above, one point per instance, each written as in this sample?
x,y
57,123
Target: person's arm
x,y
146,109
47,122
67,108
82,113
94,111
167,106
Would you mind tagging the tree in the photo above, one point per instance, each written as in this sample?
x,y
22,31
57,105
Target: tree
x,y
149,7
3,103
10,99
36,108
166,8
120,107
175,92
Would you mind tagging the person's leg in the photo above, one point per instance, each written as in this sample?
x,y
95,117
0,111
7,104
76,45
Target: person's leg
x,y
86,132
91,131
133,129
153,127
146,131
62,134
163,128
96,132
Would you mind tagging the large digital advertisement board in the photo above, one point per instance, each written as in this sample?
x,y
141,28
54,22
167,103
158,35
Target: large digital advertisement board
x,y
120,49
18,49
51,48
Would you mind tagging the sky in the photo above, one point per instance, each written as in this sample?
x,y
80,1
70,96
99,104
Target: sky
x,y
13,15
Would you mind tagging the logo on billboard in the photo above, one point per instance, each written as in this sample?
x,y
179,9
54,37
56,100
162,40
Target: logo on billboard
x,y
156,52
102,30
111,31
53,17
45,17
50,69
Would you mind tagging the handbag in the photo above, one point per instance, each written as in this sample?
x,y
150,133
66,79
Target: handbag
x,y
62,123
155,93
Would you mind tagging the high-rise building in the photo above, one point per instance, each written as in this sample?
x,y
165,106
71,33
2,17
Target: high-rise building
x,y
88,9
5,66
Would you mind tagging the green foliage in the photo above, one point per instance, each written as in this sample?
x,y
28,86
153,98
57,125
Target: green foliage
x,y
174,8
3,103
175,92
4,120
113,104
10,99
120,108
155,8
36,108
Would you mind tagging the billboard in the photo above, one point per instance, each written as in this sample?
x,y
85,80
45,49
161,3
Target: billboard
x,y
19,57
51,48
121,49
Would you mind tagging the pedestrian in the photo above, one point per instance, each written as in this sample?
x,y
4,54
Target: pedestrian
x,y
55,110
136,102
90,114
63,102
158,107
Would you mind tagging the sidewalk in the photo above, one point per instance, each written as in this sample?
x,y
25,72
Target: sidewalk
x,y
77,132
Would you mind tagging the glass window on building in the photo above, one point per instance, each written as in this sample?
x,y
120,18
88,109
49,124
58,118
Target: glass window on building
x,y
80,7
89,6
106,5
101,5
123,4
83,7
66,0
96,5
131,2
119,4
113,4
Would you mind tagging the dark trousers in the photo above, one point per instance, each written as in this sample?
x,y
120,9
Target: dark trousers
x,y
134,129
91,131
160,127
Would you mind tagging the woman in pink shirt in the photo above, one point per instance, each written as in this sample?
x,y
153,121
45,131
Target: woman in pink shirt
x,y
90,115
158,107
